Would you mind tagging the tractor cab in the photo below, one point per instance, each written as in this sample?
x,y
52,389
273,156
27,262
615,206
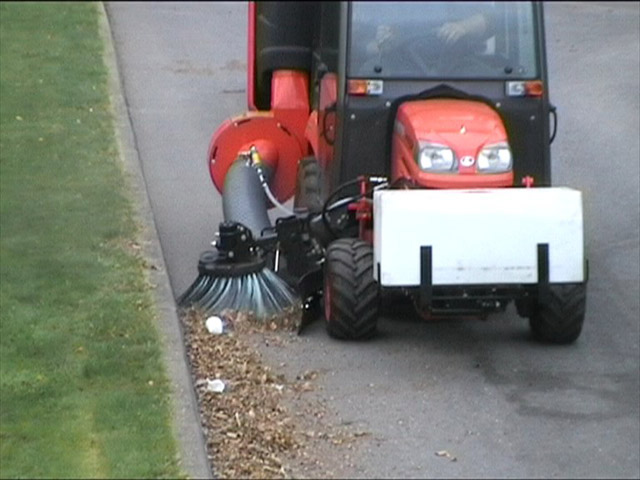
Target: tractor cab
x,y
376,63
370,74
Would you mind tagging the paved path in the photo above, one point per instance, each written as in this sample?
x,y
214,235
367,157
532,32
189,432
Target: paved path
x,y
502,404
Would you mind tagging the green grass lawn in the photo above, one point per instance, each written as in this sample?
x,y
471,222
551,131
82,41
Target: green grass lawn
x,y
82,385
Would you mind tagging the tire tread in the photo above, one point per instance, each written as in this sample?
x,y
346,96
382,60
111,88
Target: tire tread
x,y
559,316
354,293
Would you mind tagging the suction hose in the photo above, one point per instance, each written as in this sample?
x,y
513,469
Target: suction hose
x,y
234,276
243,199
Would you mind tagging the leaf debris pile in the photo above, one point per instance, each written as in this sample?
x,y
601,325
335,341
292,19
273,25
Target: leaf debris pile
x,y
250,431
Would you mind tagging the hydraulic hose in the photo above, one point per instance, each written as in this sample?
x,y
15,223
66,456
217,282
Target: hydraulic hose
x,y
327,207
267,191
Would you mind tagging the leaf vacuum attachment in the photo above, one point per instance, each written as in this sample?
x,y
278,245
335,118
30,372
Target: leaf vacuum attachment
x,y
235,276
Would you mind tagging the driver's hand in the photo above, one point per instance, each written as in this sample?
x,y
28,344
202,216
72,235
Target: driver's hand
x,y
451,32
383,35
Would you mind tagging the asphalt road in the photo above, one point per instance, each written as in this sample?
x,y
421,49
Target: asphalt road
x,y
502,404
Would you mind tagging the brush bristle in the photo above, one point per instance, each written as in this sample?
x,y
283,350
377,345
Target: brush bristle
x,y
264,293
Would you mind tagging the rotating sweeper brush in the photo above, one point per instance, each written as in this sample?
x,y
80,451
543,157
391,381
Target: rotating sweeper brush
x,y
235,277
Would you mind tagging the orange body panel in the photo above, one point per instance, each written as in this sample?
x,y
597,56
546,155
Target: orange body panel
x,y
463,125
290,103
279,134
327,126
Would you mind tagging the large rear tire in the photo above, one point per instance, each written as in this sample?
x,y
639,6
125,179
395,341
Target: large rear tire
x,y
351,297
559,316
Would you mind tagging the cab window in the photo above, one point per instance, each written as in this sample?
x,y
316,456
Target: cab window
x,y
455,40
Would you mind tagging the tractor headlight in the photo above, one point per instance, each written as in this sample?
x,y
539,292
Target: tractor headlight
x,y
436,158
495,158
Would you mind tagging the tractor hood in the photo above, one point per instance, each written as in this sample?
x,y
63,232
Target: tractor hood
x,y
471,130
463,125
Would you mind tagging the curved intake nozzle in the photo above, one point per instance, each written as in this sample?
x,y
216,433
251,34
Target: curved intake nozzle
x,y
243,198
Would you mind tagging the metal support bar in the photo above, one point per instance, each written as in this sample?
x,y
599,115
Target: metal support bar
x,y
543,269
426,276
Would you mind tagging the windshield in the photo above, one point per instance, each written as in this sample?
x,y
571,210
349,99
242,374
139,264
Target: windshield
x,y
442,40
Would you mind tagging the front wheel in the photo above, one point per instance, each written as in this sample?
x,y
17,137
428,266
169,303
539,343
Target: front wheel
x,y
559,315
351,300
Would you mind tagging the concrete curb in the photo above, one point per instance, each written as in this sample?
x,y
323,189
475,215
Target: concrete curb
x,y
186,422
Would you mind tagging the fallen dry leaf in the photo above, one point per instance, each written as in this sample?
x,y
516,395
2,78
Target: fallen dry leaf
x,y
250,433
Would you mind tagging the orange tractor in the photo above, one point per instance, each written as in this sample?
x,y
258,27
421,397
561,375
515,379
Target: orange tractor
x,y
414,138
